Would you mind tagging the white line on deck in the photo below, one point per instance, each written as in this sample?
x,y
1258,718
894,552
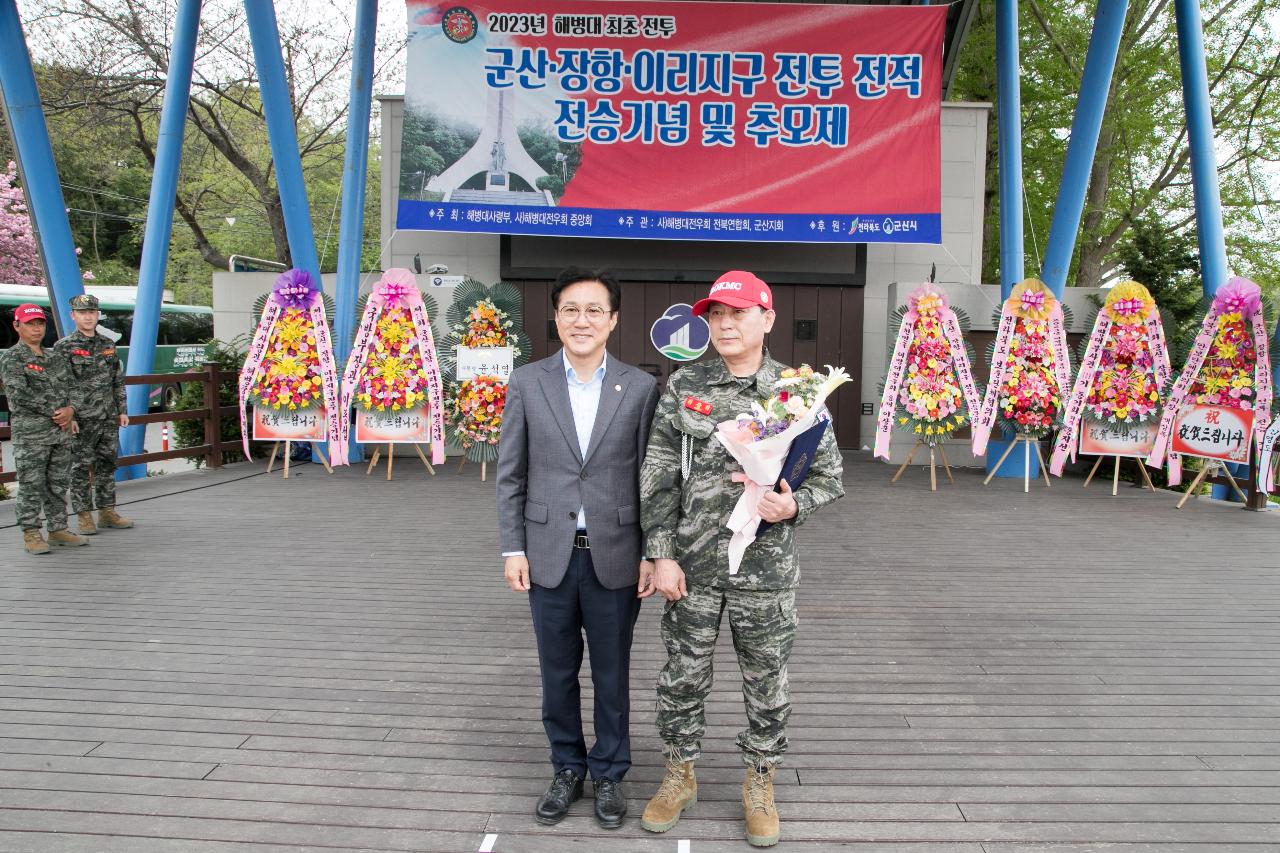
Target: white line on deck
x,y
683,846
486,846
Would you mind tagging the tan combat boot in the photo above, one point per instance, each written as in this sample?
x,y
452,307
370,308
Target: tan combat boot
x,y
758,808
85,525
66,538
678,791
34,542
108,517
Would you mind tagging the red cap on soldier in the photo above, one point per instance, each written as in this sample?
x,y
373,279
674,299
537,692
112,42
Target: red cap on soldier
x,y
737,289
27,312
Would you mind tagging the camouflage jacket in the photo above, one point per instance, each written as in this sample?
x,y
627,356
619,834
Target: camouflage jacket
x,y
35,385
684,517
97,374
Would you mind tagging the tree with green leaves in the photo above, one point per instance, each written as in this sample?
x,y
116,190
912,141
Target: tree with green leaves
x,y
103,91
1141,173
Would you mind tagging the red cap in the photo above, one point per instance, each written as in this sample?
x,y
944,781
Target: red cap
x,y
737,289
27,312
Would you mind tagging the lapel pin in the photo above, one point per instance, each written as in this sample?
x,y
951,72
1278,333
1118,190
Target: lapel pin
x,y
617,387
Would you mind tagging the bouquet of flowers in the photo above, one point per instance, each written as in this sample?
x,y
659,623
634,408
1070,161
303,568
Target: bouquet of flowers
x,y
290,362
1228,365
1124,367
1126,388
290,378
486,325
1226,376
760,439
475,413
392,376
929,390
1030,366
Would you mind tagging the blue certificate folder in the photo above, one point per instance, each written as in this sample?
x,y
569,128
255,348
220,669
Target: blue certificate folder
x,y
796,466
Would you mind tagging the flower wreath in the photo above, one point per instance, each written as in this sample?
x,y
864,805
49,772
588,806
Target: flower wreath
x,y
1030,366
929,390
1228,365
1124,367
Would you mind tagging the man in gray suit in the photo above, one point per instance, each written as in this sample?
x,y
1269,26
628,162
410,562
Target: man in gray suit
x,y
573,435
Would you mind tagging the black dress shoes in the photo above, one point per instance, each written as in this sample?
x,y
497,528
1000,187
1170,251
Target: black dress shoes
x,y
565,789
611,805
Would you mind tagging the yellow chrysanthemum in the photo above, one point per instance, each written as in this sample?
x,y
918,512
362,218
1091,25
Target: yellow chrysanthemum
x,y
1128,292
286,367
1031,311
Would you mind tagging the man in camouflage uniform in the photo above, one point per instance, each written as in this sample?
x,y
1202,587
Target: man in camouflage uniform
x,y
37,383
100,413
687,491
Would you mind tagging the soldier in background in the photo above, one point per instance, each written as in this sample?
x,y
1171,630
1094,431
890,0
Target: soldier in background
x,y
100,413
686,493
37,383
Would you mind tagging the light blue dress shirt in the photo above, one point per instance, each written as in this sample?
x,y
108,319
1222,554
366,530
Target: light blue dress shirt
x,y
584,400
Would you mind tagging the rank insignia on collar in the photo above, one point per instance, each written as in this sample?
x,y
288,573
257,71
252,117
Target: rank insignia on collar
x,y
693,404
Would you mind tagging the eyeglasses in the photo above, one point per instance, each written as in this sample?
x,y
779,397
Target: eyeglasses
x,y
594,313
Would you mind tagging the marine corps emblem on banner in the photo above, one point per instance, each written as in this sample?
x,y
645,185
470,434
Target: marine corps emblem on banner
x,y
459,24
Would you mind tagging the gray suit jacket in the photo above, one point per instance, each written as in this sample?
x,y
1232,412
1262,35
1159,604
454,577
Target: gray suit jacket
x,y
543,477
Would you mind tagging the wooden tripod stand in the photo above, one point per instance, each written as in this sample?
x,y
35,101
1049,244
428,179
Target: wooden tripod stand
x,y
933,470
391,459
1212,465
1115,478
1026,461
288,445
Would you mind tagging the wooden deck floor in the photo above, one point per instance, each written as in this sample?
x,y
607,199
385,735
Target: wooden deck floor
x,y
333,663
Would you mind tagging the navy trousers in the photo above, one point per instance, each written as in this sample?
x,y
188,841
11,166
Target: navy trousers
x,y
608,617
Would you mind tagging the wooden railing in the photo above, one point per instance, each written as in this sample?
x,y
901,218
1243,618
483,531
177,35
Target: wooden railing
x,y
212,450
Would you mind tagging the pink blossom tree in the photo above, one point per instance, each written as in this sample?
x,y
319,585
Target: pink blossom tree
x,y
19,255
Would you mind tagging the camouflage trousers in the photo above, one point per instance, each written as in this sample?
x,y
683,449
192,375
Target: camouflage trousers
x,y
43,473
93,466
763,623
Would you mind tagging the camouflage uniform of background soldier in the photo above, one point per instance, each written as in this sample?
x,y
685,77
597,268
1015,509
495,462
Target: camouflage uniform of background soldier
x,y
99,388
686,494
37,383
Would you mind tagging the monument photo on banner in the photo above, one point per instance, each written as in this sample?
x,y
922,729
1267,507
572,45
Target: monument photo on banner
x,y
674,120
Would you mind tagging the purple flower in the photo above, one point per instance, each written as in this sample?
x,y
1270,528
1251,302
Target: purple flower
x,y
295,289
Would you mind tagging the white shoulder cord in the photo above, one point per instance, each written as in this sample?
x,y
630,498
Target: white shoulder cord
x,y
686,454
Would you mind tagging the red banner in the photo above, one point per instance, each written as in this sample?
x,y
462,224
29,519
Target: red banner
x,y
756,121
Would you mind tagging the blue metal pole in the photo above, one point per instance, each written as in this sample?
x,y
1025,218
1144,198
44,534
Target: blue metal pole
x,y
1009,118
1009,138
1095,83
38,172
278,107
159,228
354,171
1204,162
